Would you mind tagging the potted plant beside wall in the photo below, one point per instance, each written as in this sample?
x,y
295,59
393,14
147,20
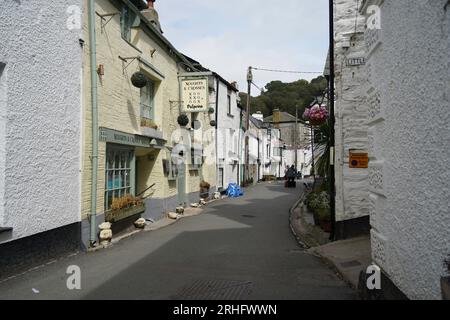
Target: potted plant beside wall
x,y
323,211
204,189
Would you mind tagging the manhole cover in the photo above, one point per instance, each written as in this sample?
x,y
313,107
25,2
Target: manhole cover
x,y
248,216
216,290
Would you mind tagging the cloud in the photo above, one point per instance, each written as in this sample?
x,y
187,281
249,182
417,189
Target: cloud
x,y
228,36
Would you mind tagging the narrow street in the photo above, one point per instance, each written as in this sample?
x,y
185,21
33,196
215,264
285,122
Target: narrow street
x,y
236,249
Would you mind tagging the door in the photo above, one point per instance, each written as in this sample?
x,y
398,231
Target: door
x,y
220,178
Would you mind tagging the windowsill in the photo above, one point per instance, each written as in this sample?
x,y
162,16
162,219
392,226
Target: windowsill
x,y
230,115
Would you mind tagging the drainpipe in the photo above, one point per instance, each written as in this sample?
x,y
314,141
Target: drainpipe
x,y
240,171
332,122
217,128
93,64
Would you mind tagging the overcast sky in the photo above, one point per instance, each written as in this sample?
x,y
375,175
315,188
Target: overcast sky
x,y
230,35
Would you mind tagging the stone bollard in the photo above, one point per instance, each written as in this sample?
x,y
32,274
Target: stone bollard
x,y
140,223
105,235
172,215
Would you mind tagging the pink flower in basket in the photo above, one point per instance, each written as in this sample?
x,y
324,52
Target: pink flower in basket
x,y
316,115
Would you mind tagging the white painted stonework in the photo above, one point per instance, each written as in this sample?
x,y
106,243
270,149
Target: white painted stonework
x,y
228,133
350,111
409,98
39,116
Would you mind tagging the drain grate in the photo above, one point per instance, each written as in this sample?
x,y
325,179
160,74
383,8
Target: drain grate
x,y
248,216
215,290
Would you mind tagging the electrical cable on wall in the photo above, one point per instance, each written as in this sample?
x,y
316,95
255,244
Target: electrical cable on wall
x,y
286,71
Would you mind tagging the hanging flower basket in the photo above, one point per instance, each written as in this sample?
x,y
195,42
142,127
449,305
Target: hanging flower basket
x,y
212,123
316,115
139,79
211,110
183,120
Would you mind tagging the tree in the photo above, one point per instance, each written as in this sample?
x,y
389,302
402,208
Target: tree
x,y
286,96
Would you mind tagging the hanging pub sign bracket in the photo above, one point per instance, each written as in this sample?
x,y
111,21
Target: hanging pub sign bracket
x,y
125,62
105,21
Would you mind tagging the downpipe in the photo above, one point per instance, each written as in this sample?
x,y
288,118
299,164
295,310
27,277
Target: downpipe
x,y
94,111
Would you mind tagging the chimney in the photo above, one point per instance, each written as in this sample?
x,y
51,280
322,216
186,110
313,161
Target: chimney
x,y
276,118
152,15
235,85
259,116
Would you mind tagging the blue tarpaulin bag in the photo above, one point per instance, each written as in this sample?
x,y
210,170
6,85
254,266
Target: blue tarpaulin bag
x,y
234,190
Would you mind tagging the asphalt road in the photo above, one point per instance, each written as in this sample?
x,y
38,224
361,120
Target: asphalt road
x,y
236,249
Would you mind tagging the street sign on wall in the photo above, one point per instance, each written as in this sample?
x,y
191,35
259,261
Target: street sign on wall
x,y
194,95
358,160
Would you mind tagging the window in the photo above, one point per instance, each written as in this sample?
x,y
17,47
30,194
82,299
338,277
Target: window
x,y
147,97
277,152
128,19
229,104
268,150
119,174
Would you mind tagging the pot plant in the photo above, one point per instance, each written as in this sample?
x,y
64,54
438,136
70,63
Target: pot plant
x,y
183,120
204,189
139,79
323,211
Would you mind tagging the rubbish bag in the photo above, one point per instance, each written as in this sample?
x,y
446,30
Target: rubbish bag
x,y
234,191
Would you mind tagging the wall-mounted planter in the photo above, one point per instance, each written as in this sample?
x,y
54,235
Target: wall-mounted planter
x,y
139,79
183,120
117,215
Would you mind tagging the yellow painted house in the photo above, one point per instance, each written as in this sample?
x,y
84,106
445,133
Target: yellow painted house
x,y
128,129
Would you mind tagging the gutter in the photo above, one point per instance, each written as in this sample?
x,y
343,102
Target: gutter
x,y
94,112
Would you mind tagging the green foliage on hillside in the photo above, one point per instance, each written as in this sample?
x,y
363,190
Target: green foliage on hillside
x,y
285,96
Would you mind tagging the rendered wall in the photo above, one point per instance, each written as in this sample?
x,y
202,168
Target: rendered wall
x,y
227,142
350,112
40,114
409,97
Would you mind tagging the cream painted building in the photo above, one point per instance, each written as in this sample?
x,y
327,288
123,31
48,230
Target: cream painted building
x,y
136,126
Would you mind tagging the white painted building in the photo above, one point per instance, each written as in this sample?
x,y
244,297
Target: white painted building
x,y
40,120
352,205
272,150
408,45
229,136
